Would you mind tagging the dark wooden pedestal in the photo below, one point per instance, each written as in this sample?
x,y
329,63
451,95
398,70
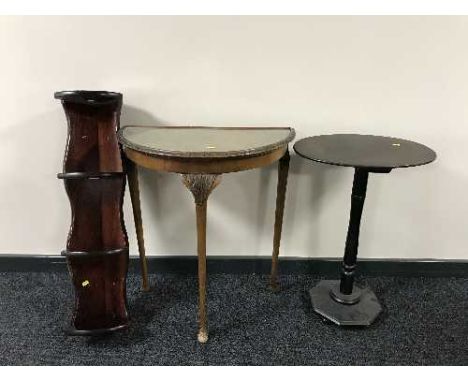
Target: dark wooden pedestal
x,y
342,302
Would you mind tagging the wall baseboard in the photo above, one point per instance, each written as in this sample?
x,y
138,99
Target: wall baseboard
x,y
258,265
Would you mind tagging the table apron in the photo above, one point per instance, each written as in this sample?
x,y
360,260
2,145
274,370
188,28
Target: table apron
x,y
204,165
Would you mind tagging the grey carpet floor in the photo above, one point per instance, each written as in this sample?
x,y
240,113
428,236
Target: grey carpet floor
x,y
425,322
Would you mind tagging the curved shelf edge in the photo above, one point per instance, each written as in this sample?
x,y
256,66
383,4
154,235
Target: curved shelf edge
x,y
95,332
94,98
94,253
90,175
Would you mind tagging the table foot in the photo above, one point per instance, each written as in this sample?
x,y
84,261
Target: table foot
x,y
360,308
274,286
203,336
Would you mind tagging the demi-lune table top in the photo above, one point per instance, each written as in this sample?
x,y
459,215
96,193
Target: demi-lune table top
x,y
364,151
204,142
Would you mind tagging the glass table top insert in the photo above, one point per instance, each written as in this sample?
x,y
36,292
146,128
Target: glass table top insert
x,y
204,141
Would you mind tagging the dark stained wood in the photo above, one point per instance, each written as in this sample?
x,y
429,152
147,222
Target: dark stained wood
x,y
375,153
283,168
96,215
92,122
100,292
97,245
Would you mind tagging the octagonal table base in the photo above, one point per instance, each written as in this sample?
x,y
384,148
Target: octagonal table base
x,y
359,309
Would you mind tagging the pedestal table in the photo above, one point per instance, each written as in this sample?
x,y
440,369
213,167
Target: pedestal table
x,y
341,301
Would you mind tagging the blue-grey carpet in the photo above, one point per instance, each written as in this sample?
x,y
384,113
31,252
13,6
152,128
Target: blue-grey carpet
x,y
425,322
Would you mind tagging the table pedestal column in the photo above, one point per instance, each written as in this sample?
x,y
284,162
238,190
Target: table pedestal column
x,y
201,186
341,301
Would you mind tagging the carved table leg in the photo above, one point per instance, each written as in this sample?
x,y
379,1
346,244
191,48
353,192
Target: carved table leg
x,y
132,174
283,168
342,302
200,186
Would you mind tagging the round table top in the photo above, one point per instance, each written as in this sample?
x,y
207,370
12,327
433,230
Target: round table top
x,y
204,142
364,151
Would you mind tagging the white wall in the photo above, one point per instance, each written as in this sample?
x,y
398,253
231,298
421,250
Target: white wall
x,y
400,76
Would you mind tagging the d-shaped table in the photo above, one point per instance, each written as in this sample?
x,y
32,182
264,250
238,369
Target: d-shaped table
x,y
339,301
201,155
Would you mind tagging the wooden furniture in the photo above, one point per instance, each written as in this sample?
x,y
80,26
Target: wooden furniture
x,y
97,246
201,155
341,301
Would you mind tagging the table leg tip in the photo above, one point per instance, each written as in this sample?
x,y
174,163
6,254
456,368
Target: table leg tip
x,y
274,286
145,286
202,337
